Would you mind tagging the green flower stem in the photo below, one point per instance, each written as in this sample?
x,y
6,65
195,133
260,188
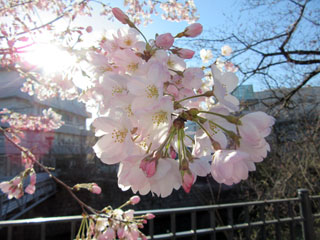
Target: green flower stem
x,y
145,39
195,96
182,143
213,113
205,130
169,141
190,138
229,118
179,146
123,205
219,126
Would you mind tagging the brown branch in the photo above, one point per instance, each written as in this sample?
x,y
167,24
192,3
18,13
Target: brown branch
x,y
57,180
285,53
286,98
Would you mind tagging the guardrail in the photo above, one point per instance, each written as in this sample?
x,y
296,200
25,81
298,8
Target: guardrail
x,y
291,218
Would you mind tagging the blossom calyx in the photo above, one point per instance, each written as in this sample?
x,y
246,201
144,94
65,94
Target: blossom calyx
x,y
233,119
194,112
234,137
216,145
178,123
184,165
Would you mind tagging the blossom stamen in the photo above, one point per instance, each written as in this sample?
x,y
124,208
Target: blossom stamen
x,y
152,91
119,136
159,117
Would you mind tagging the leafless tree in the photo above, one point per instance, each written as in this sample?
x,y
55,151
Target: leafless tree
x,y
276,43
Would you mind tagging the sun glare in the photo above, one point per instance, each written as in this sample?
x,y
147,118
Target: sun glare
x,y
49,58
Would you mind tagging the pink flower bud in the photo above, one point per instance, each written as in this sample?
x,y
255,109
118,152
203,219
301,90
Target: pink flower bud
x,y
185,53
164,41
173,153
150,216
148,167
23,39
89,29
95,189
193,30
120,15
187,181
134,200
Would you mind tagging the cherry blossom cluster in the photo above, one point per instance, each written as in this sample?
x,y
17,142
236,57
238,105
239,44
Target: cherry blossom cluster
x,y
19,122
147,96
22,21
114,223
102,224
15,187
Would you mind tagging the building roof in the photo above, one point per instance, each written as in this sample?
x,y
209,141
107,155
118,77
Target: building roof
x,y
11,82
244,92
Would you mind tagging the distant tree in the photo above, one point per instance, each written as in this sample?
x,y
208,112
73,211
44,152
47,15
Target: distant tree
x,y
274,42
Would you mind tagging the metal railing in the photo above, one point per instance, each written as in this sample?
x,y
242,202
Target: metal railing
x,y
291,218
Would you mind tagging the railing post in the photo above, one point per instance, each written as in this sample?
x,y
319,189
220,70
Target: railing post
x,y
306,213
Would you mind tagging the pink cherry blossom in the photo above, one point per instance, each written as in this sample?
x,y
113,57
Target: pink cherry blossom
x,y
206,55
192,78
229,166
115,142
226,50
224,84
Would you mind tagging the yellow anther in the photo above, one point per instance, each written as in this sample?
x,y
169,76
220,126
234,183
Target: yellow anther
x,y
159,117
119,136
152,91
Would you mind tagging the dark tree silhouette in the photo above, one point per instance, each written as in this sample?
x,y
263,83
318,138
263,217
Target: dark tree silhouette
x,y
276,43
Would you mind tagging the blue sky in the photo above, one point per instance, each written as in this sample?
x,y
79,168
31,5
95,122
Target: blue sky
x,y
213,14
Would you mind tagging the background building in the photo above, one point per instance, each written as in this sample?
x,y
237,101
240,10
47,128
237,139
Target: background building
x,y
58,149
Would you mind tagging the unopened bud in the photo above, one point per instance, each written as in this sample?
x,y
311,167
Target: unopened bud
x,y
194,112
120,15
134,200
150,216
193,30
95,189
